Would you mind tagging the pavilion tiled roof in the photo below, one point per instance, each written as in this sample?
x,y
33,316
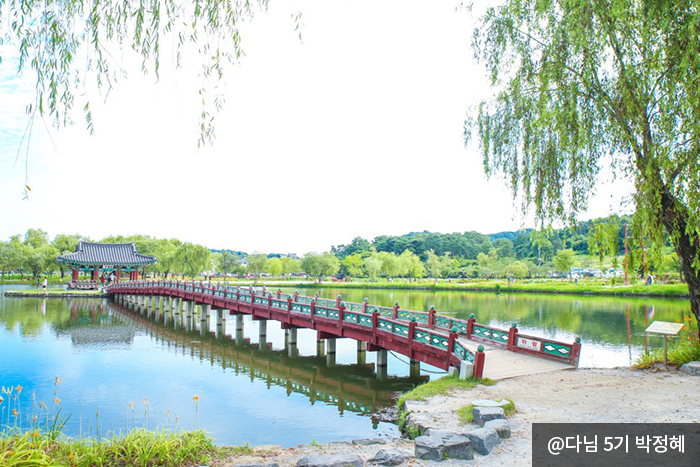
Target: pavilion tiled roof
x,y
106,254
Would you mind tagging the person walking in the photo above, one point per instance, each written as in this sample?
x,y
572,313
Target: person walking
x,y
44,284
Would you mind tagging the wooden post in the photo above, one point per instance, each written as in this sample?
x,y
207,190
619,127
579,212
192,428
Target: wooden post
x,y
451,344
338,300
395,315
75,274
279,294
512,336
431,317
364,305
479,359
411,334
341,313
470,326
575,352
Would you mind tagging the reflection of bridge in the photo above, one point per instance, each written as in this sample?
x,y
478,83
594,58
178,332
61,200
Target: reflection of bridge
x,y
351,388
424,337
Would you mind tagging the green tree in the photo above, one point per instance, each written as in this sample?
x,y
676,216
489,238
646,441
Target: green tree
x,y
390,264
256,263
274,266
373,266
290,265
564,261
516,269
354,263
192,259
411,265
585,83
229,263
63,244
319,266
36,238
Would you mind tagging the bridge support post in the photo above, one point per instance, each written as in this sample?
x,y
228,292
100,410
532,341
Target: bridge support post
x,y
361,352
414,368
239,329
205,314
159,303
262,328
330,346
320,348
330,359
190,309
382,373
221,322
382,358
293,336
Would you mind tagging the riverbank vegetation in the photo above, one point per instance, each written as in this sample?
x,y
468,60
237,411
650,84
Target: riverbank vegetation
x,y
679,352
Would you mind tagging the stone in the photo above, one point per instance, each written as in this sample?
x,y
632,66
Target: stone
x,y
368,441
484,414
274,464
390,457
483,440
330,460
386,414
458,447
501,426
429,448
691,368
489,403
443,433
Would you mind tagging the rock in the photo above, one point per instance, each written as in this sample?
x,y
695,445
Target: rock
x,y
489,403
386,414
501,426
443,433
483,440
458,447
691,368
390,457
274,464
429,448
330,460
368,441
484,414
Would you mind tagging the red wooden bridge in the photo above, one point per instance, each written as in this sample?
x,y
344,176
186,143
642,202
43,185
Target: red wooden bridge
x,y
437,340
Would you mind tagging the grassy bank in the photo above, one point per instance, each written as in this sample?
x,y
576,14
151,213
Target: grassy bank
x,y
533,286
53,293
679,353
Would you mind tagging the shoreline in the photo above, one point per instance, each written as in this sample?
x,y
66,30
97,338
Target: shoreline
x,y
57,294
587,395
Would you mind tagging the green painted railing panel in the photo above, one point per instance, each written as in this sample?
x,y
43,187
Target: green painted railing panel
x,y
279,304
401,330
372,309
326,303
354,307
385,325
350,317
306,309
422,336
442,322
321,312
296,307
499,336
306,300
365,320
551,348
383,311
260,301
481,332
439,341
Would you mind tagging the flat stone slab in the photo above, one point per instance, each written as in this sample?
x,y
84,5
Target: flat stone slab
x,y
458,447
390,457
691,368
368,441
330,460
429,448
489,403
484,440
501,426
482,415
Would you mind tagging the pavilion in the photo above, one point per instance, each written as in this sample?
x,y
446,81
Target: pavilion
x,y
112,257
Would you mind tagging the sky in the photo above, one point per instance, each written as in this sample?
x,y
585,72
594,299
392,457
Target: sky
x,y
354,130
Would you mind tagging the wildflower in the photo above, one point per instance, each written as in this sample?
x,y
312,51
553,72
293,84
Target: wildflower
x,y
131,405
35,434
14,412
57,400
19,389
34,418
195,398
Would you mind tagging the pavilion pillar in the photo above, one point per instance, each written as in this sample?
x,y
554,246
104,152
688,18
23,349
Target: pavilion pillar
x,y
119,274
75,274
94,274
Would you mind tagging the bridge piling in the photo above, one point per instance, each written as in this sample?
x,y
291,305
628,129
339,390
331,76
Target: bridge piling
x,y
320,348
330,346
382,358
361,352
414,368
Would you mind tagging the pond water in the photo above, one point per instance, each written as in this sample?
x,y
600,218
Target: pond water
x,y
117,369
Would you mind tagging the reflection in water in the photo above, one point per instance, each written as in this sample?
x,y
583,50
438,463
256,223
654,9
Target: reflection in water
x,y
354,387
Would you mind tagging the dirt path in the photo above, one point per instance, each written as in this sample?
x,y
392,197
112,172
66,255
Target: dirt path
x,y
586,395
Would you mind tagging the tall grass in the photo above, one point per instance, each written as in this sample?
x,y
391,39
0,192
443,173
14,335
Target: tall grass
x,y
679,353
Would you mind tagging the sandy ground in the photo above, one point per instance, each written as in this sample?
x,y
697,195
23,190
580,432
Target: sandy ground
x,y
584,395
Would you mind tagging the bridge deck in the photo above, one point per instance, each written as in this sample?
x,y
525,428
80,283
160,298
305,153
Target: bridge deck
x,y
502,364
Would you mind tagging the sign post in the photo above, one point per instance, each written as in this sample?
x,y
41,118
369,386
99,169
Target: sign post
x,y
666,329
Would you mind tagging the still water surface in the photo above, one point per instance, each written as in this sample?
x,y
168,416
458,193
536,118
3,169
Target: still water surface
x,y
119,369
